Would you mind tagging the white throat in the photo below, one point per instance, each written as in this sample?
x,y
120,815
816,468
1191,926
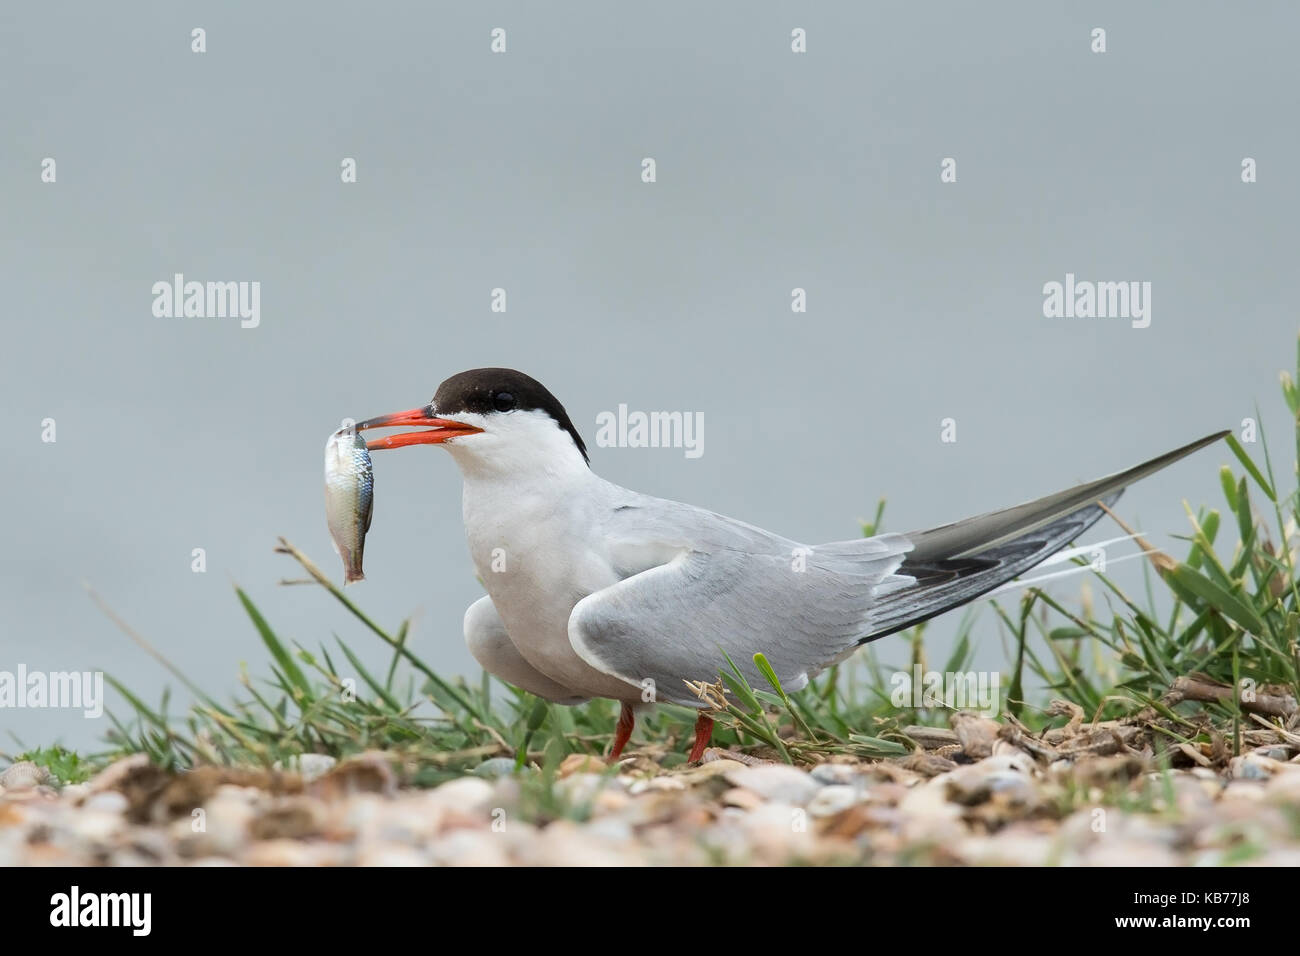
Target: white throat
x,y
520,448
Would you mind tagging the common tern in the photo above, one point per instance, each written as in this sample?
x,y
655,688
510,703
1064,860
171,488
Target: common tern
x,y
594,590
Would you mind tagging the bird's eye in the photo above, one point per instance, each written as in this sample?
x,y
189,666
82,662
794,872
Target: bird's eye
x,y
503,401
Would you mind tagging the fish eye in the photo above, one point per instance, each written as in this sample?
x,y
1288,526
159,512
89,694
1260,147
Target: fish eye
x,y
503,401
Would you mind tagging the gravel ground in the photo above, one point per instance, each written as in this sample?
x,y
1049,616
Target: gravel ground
x,y
971,798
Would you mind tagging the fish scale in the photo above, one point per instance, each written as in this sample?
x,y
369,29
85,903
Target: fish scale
x,y
349,498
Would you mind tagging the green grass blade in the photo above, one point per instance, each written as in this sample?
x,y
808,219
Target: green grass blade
x,y
278,650
1250,466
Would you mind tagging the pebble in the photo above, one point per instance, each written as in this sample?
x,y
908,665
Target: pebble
x,y
828,774
708,771
97,826
565,843
1250,767
1247,789
117,774
655,784
777,783
405,821
968,786
580,787
471,848
292,818
391,854
1017,788
610,829
75,792
109,801
777,830
1284,789
369,772
832,800
497,767
1007,849
313,766
361,817
1015,760
581,763
466,794
1114,854
222,828
927,814
1273,752
752,811
283,852
742,798
976,734
611,801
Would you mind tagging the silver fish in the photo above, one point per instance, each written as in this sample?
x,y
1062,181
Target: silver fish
x,y
349,495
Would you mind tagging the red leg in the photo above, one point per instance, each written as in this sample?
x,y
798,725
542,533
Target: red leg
x,y
703,731
626,721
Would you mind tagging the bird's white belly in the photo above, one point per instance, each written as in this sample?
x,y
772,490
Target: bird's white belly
x,y
536,568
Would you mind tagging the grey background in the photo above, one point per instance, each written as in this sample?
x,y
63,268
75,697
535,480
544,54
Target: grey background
x,y
523,171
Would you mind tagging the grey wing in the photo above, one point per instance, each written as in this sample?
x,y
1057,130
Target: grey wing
x,y
974,535
956,563
736,591
697,584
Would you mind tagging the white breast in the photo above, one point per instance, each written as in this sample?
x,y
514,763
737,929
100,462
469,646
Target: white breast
x,y
534,551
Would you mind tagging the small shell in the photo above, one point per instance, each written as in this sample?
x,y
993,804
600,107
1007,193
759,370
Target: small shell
x,y
23,776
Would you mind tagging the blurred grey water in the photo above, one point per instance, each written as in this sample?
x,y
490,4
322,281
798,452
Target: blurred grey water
x,y
522,171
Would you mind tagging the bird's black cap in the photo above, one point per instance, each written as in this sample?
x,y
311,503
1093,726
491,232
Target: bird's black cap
x,y
488,390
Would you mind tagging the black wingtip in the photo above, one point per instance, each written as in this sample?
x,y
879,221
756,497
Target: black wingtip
x,y
1207,440
963,538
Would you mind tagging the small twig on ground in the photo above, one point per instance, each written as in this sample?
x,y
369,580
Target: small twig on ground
x,y
1205,690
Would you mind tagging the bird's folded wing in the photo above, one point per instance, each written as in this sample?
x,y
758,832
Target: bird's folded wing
x,y
700,587
679,621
